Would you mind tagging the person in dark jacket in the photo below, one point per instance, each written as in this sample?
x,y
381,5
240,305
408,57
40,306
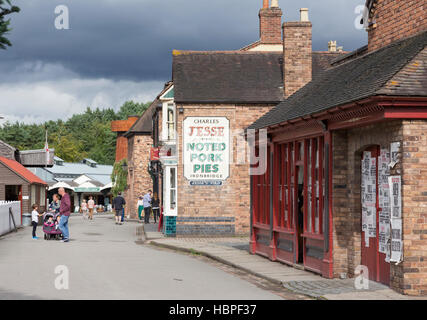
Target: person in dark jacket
x,y
155,203
118,205
54,205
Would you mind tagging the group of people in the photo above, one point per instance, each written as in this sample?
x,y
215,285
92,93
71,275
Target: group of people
x,y
147,204
61,208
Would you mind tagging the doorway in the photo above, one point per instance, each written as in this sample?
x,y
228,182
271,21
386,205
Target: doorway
x,y
372,258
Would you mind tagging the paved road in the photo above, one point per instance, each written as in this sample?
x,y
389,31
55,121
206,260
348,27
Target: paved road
x,y
105,262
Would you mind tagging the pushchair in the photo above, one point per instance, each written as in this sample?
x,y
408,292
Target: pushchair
x,y
51,231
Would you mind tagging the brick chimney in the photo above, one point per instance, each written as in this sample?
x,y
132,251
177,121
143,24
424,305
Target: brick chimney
x,y
388,21
297,52
270,23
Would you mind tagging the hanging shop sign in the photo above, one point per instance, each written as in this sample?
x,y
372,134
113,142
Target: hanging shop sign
x,y
206,150
87,189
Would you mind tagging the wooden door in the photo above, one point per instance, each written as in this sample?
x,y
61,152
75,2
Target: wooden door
x,y
379,269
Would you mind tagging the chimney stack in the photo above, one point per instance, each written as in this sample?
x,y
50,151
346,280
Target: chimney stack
x,y
270,23
297,52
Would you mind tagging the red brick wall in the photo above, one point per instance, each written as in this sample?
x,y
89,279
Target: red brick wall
x,y
395,20
414,202
270,25
297,47
410,276
232,199
139,180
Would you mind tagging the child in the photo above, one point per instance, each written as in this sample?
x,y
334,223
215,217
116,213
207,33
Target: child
x,y
58,218
35,219
49,222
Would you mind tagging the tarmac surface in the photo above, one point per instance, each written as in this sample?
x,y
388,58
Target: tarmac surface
x,y
108,261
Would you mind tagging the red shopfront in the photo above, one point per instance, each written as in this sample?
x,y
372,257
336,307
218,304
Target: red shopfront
x,y
291,220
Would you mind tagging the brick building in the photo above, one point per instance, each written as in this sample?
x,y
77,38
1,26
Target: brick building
x,y
345,186
207,191
141,177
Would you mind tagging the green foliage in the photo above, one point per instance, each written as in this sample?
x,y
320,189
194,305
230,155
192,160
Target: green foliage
x,y
119,177
85,135
6,8
130,108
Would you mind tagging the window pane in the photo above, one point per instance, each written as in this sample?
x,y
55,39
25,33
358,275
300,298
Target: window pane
x,y
172,179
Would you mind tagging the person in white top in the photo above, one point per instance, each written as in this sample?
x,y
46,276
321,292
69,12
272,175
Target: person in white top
x,y
91,206
140,206
35,219
84,208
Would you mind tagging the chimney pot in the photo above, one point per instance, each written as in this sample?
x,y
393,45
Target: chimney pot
x,y
274,3
332,46
265,4
304,15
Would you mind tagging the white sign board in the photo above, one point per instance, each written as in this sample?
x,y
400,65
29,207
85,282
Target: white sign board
x,y
206,150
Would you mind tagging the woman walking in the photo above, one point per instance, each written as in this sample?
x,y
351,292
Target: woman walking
x,y
84,208
156,207
140,206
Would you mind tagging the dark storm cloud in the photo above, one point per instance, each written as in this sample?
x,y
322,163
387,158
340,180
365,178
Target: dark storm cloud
x,y
132,40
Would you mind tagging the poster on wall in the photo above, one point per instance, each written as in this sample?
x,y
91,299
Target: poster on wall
x,y
394,153
369,196
395,185
396,240
384,200
206,150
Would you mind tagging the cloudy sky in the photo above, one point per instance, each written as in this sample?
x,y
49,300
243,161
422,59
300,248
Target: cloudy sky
x,y
118,50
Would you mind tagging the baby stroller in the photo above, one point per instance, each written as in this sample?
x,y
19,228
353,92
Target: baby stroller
x,y
51,229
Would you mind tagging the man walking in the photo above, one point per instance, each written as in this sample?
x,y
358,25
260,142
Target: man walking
x,y
147,207
64,212
118,205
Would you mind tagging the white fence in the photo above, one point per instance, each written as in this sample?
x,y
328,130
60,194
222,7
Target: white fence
x,y
6,223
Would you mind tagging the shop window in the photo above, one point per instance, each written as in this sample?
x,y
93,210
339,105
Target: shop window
x,y
42,196
315,184
172,188
171,121
33,194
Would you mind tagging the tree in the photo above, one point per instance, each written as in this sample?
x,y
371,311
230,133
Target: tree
x,y
67,148
130,108
119,177
6,8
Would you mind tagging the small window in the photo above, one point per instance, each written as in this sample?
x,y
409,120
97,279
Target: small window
x,y
170,121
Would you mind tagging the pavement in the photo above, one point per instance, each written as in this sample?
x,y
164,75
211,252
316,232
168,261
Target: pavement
x,y
108,261
234,251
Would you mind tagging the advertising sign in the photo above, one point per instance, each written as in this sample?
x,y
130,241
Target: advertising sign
x,y
206,150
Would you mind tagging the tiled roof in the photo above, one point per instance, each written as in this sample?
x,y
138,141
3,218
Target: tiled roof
x,y
234,76
227,77
144,125
366,76
20,170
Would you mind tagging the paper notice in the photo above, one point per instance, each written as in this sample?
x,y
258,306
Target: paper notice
x,y
394,153
396,240
395,185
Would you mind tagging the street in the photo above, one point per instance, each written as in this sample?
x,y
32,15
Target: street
x,y
105,261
